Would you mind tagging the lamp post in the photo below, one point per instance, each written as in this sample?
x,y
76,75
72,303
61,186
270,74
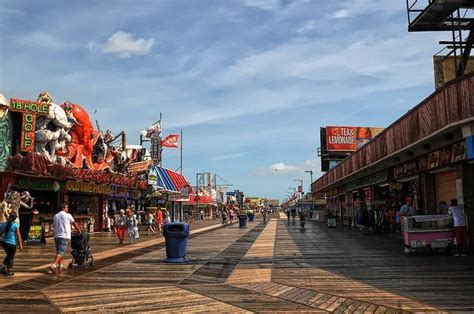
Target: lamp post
x,y
312,198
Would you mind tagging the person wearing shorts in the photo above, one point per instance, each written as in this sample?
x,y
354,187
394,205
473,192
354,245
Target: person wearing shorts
x,y
460,230
62,234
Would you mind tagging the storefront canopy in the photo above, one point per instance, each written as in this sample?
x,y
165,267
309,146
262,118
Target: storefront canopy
x,y
204,199
168,180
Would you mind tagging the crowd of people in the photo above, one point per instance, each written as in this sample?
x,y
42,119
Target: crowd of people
x,y
126,223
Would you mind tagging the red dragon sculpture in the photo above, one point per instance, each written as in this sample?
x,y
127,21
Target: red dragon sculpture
x,y
79,152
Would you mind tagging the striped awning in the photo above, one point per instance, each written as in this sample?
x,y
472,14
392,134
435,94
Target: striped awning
x,y
169,180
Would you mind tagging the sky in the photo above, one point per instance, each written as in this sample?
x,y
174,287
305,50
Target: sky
x,y
250,82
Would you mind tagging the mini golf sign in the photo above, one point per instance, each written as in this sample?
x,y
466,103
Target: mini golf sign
x,y
29,109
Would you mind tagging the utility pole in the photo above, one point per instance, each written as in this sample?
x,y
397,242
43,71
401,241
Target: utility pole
x,y
197,195
313,209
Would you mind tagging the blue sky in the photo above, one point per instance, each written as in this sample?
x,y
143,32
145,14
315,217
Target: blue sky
x,y
249,81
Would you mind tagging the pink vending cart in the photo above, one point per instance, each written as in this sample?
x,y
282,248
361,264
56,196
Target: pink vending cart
x,y
427,232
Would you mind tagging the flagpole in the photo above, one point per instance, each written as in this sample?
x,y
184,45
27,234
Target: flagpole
x,y
181,213
161,148
181,155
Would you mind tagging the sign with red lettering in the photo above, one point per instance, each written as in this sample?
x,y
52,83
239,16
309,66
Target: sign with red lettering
x,y
348,139
30,110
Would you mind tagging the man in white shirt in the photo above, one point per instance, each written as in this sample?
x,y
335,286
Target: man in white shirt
x,y
62,234
460,229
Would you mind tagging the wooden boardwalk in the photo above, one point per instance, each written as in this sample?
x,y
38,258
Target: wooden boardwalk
x,y
271,267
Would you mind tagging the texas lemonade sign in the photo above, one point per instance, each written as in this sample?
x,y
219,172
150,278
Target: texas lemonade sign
x,y
348,138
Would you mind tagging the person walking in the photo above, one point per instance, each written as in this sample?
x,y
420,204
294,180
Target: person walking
x,y
11,236
460,229
120,222
150,223
167,217
224,217
62,234
202,215
231,215
132,226
264,215
159,221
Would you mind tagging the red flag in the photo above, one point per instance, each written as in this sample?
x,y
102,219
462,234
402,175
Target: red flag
x,y
171,141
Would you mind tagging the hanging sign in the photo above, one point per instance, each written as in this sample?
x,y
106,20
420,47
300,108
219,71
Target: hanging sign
x,y
139,167
153,176
30,110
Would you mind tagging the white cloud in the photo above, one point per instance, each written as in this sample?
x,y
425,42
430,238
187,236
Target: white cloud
x,y
297,169
267,5
307,27
282,167
341,14
227,156
359,7
125,45
42,40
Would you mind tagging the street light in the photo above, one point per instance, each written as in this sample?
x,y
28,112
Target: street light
x,y
311,174
312,198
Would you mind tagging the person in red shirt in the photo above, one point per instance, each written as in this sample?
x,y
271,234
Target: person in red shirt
x,y
159,220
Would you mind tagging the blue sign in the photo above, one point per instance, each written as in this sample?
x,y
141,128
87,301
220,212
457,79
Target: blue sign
x,y
470,146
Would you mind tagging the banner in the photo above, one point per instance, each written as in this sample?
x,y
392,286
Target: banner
x,y
349,139
171,141
153,130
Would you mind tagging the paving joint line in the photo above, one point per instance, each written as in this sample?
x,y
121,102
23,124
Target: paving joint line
x,y
203,264
209,261
53,304
346,277
135,252
240,260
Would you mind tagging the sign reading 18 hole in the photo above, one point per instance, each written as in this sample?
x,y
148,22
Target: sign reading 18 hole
x,y
30,110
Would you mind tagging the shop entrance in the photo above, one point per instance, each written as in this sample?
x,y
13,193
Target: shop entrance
x,y
445,186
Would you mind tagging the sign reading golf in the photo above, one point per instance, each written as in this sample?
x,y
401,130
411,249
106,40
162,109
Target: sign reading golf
x,y
30,110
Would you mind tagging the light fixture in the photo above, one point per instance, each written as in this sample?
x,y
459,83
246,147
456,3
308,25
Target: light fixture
x,y
448,137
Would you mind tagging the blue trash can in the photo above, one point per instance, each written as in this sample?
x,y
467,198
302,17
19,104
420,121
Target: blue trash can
x,y
242,221
176,241
251,216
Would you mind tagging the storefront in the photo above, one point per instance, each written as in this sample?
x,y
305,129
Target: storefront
x,y
171,190
427,154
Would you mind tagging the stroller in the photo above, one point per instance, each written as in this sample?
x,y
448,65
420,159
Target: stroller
x,y
81,251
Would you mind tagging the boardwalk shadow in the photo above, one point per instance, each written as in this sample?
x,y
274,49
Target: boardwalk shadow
x,y
377,261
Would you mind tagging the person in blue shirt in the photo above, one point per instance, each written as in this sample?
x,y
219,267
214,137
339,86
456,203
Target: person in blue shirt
x,y
11,236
